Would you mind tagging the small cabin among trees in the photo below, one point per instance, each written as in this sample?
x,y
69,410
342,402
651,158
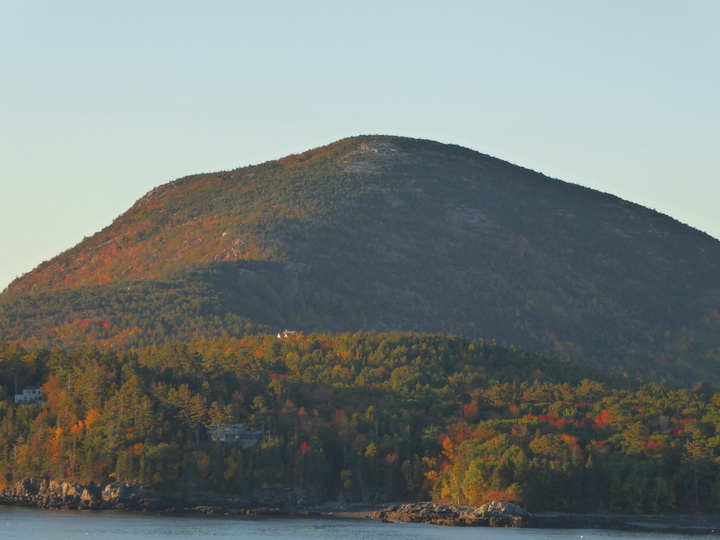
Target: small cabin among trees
x,y
234,433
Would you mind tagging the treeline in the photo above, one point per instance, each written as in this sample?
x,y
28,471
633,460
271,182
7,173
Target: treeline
x,y
362,417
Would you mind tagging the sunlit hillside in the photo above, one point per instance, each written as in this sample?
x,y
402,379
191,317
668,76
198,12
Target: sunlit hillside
x,y
385,233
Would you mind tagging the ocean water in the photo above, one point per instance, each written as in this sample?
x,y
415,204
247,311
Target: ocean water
x,y
32,524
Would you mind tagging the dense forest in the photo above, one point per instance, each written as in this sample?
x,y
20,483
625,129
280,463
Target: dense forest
x,y
362,416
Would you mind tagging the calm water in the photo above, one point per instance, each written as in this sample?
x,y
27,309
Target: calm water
x,y
30,524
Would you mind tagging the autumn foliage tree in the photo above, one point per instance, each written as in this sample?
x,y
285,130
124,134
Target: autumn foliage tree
x,y
363,417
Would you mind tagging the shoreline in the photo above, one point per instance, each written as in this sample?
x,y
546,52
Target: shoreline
x,y
47,494
500,514
681,523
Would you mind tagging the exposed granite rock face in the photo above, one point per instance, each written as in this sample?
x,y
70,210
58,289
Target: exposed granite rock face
x,y
500,509
494,514
45,493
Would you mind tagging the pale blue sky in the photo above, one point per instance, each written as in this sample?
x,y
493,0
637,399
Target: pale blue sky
x,y
102,101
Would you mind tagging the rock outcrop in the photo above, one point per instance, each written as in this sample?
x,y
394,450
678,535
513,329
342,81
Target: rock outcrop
x,y
46,493
494,514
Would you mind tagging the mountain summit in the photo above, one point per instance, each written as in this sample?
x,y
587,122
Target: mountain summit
x,y
388,233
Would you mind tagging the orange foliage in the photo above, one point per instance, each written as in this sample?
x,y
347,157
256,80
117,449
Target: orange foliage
x,y
92,416
602,419
570,440
77,428
656,446
448,448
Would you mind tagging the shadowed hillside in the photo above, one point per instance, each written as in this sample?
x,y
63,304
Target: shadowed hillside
x,y
387,233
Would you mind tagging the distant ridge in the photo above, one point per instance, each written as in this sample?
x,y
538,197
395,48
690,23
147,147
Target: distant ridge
x,y
388,233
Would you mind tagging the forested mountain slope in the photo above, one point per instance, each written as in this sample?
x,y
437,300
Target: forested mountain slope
x,y
385,233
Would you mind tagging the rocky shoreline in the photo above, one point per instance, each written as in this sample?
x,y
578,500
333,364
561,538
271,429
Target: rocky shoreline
x,y
46,493
278,501
503,514
494,514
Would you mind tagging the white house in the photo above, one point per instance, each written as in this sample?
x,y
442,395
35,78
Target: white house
x,y
31,394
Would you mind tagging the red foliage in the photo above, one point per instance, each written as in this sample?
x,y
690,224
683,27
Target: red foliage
x,y
655,446
601,420
570,440
553,419
459,431
470,411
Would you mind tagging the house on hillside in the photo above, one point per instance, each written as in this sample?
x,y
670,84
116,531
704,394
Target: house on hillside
x,y
287,334
31,394
234,433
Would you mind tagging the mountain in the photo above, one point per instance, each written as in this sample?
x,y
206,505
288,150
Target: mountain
x,y
387,233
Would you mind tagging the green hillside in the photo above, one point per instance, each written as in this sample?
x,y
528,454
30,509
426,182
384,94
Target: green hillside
x,y
388,234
